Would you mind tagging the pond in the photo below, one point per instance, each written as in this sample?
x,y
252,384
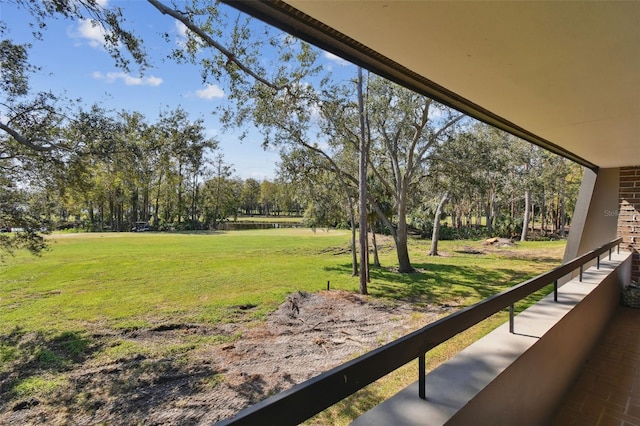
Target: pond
x,y
240,226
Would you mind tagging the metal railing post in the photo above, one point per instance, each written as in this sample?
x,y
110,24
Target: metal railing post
x,y
511,320
609,254
422,379
580,273
555,291
598,262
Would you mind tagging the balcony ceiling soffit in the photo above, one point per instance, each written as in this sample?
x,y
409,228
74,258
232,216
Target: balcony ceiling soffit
x,y
568,72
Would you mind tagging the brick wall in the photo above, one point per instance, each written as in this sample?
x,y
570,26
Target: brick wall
x,y
629,215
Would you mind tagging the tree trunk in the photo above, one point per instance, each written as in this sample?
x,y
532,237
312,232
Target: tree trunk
x,y
436,225
563,213
532,218
92,218
112,212
527,208
146,203
134,206
543,214
120,215
354,252
376,259
194,203
491,216
362,191
101,215
404,264
180,206
157,203
401,237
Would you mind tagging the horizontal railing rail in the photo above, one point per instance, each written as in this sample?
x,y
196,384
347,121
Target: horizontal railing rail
x,y
306,399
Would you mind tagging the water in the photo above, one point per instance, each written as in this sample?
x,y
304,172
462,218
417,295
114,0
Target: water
x,y
243,226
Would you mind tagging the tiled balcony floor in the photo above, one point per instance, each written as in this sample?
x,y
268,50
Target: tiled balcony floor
x,y
608,390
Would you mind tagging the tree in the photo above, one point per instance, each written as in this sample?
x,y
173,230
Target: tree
x,y
220,194
407,128
268,192
30,143
306,171
436,225
250,196
187,147
30,123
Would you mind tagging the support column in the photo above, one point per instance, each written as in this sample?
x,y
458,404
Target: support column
x,y
595,217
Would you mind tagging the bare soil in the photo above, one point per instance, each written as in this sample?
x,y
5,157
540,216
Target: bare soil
x,y
307,335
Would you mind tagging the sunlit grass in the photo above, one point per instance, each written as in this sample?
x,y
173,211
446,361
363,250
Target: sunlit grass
x,y
151,278
38,385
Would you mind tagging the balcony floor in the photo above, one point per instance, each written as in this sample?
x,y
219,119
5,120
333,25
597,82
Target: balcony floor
x,y
608,390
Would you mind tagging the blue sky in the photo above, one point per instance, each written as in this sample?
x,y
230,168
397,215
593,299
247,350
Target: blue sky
x,y
74,63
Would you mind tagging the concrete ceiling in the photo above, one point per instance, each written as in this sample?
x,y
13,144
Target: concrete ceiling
x,y
566,72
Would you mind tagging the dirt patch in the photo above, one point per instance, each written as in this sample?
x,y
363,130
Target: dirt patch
x,y
307,335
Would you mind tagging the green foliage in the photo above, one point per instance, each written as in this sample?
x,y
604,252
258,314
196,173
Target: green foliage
x,y
507,227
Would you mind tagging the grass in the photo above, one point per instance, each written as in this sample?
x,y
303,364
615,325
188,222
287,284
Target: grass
x,y
51,306
135,280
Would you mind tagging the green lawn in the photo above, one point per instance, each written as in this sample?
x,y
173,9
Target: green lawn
x,y
153,278
55,310
148,278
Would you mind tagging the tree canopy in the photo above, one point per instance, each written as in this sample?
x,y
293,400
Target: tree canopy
x,y
63,163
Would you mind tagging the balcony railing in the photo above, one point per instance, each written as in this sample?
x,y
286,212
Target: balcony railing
x,y
306,399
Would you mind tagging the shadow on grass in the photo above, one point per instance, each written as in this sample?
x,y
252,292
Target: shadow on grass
x,y
130,390
35,351
514,255
55,374
440,284
32,355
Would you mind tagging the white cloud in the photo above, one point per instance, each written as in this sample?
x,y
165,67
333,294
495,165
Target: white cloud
x,y
181,30
210,92
93,34
337,59
112,77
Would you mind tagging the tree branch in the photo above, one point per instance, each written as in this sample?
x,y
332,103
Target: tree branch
x,y
28,143
211,42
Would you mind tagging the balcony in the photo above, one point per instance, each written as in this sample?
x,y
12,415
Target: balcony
x,y
518,373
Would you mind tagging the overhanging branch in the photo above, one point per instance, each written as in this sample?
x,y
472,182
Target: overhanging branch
x,y
31,144
231,57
